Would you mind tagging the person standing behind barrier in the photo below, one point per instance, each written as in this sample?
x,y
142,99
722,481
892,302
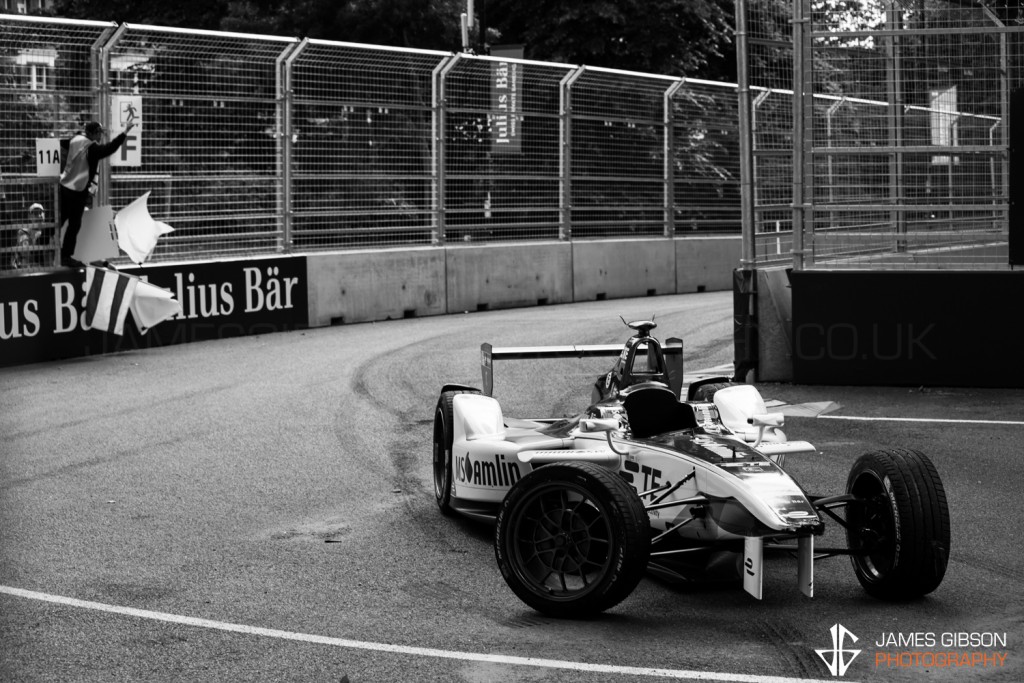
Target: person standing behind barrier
x,y
31,236
81,155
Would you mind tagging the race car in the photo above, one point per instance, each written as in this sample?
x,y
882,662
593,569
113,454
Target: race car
x,y
691,489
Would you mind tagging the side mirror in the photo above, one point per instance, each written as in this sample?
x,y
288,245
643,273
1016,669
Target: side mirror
x,y
770,421
607,425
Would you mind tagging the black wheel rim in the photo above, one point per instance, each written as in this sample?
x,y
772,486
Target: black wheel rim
x,y
561,542
441,457
873,528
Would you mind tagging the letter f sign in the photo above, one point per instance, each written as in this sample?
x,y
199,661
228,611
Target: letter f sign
x,y
128,146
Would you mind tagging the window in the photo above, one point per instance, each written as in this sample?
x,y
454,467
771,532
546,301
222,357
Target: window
x,y
33,68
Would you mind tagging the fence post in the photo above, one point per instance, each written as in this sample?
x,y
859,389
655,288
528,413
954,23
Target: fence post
x,y
745,111
439,124
100,53
894,90
669,153
565,152
801,85
285,96
830,142
1004,115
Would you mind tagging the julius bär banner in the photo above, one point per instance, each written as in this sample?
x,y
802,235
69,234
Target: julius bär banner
x,y
42,316
506,96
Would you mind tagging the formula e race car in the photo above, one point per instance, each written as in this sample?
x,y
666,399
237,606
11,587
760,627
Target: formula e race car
x,y
690,489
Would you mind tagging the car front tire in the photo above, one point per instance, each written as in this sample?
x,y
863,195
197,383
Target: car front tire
x,y
572,539
898,527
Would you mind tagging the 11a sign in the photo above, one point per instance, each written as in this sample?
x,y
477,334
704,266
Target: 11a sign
x,y
48,157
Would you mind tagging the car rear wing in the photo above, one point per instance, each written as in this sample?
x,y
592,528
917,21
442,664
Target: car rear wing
x,y
671,348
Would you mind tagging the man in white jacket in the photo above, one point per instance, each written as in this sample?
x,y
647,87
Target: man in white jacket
x,y
82,155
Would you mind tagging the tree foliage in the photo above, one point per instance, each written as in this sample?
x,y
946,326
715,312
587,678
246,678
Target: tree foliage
x,y
425,24
201,14
675,37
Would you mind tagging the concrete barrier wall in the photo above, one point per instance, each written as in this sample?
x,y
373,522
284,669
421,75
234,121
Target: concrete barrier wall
x,y
619,268
363,286
705,264
384,284
496,276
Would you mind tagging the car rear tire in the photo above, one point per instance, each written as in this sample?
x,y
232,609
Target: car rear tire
x,y
899,524
442,449
572,539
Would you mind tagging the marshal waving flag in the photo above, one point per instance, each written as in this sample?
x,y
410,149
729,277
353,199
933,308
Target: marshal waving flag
x,y
108,298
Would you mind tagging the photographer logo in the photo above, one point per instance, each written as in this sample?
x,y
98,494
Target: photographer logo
x,y
836,658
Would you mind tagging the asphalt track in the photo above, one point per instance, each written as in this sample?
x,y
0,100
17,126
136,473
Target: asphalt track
x,y
260,509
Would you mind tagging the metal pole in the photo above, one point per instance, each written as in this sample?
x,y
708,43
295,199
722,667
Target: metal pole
x,y
753,199
285,136
954,138
438,114
1004,116
829,129
669,152
800,13
100,53
993,177
748,255
1002,193
745,336
565,152
894,125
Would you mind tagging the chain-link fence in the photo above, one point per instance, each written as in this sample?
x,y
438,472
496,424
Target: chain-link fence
x,y
894,152
260,144
210,135
502,182
48,84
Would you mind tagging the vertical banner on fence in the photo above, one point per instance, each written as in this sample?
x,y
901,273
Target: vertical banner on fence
x,y
125,108
506,96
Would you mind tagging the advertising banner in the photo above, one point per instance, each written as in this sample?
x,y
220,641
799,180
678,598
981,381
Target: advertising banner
x,y
42,316
506,94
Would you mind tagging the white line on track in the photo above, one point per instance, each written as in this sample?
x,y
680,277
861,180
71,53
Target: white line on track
x,y
401,649
921,419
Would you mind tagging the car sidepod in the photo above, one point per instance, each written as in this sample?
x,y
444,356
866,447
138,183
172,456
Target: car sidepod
x,y
488,458
747,494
